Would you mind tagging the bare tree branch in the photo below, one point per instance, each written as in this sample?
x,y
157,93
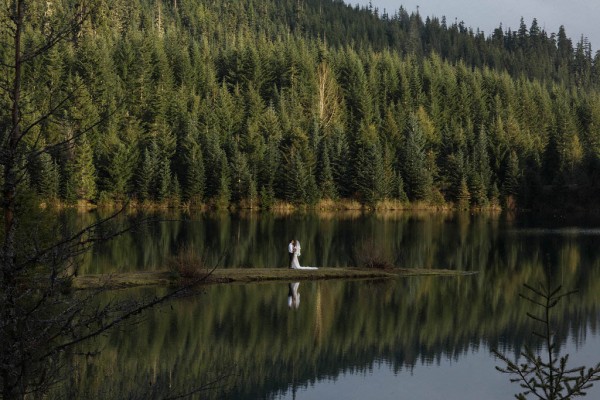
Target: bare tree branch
x,y
127,315
40,320
49,113
75,242
73,23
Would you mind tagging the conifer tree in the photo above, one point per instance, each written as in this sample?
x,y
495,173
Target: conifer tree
x,y
147,173
194,175
388,175
510,186
119,169
80,172
477,188
463,196
223,194
481,166
495,195
326,181
270,130
82,117
213,165
417,177
241,178
456,174
400,193
368,169
353,79
175,191
368,181
252,197
47,177
118,155
163,180
268,168
340,150
267,197
296,178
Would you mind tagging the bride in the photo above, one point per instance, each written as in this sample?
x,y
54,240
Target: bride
x,y
295,262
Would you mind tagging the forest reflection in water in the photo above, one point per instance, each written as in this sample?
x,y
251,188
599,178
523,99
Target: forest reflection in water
x,y
413,240
266,349
257,346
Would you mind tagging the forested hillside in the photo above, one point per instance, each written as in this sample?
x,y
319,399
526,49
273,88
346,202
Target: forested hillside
x,y
247,103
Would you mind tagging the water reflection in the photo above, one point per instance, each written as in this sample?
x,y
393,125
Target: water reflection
x,y
293,295
346,328
342,328
457,241
555,378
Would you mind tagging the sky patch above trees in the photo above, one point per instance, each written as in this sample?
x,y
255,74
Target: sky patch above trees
x,y
579,18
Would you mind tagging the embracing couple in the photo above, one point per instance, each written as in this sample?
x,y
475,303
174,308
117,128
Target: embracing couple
x,y
294,253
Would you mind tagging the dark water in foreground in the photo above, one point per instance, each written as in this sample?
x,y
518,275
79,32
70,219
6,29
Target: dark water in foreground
x,y
414,338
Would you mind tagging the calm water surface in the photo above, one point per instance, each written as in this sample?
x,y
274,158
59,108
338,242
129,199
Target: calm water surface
x,y
413,338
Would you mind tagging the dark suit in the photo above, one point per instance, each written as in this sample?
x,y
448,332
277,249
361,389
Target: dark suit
x,y
291,253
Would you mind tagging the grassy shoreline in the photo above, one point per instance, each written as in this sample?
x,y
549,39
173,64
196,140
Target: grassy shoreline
x,y
251,275
279,206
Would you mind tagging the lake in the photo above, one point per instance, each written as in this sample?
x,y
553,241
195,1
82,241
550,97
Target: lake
x,y
413,338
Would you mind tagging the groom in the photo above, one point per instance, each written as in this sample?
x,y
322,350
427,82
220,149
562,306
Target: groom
x,y
291,252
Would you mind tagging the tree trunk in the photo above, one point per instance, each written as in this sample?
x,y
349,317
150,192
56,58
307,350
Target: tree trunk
x,y
8,259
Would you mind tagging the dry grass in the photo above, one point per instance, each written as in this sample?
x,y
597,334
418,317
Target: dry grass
x,y
391,205
338,205
188,264
368,254
350,204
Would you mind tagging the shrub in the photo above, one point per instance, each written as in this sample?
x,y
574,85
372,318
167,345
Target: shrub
x,y
369,254
188,264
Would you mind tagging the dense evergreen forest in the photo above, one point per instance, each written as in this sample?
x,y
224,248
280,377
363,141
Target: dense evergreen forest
x,y
252,103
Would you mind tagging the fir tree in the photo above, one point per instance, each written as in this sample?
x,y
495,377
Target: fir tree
x,y
240,176
47,177
369,179
81,172
340,150
163,180
400,193
296,180
477,188
414,164
481,170
175,191
118,167
463,196
223,194
510,186
146,173
267,197
193,166
326,181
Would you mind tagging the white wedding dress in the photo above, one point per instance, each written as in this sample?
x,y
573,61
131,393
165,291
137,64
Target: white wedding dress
x,y
295,262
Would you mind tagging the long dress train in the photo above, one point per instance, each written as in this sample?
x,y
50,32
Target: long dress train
x,y
296,263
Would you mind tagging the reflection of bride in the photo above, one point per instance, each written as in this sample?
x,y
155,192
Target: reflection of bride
x,y
293,295
295,262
